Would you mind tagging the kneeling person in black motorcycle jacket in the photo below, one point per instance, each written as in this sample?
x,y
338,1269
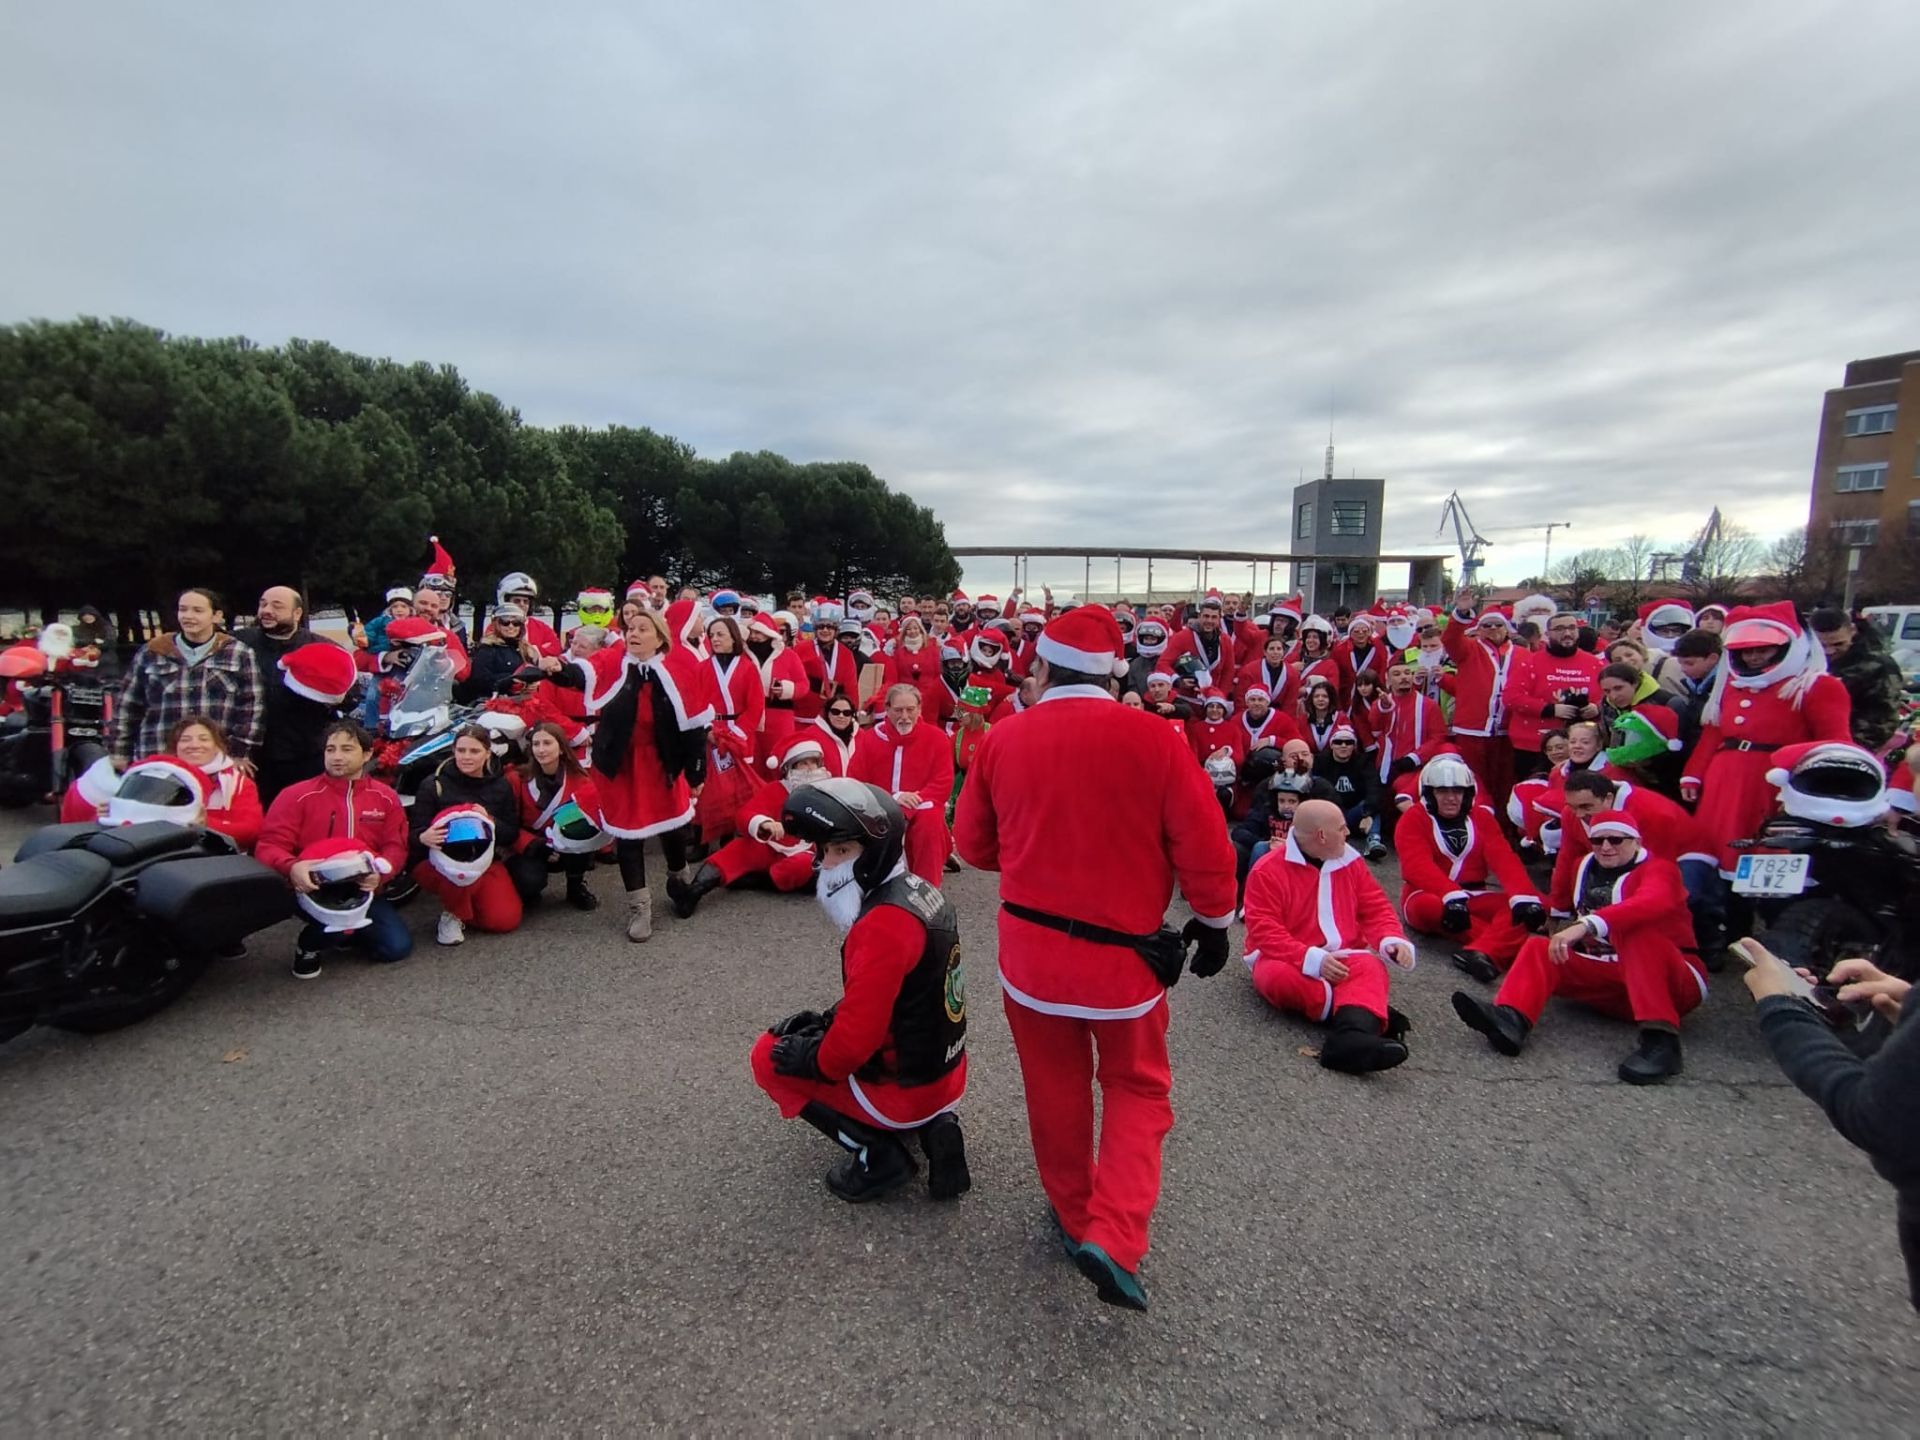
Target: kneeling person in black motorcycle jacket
x,y
888,1060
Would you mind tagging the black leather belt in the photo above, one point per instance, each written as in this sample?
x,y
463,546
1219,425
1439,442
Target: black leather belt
x,y
1747,745
1077,929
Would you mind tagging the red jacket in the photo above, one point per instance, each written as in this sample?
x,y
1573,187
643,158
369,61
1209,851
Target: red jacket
x,y
920,669
1207,736
1282,686
323,808
1666,830
1426,864
1300,913
1647,904
1277,727
845,667
1349,661
239,820
920,761
534,816
740,699
1479,681
1186,641
1535,680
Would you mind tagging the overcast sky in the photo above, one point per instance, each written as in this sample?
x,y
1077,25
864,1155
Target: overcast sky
x,y
1069,273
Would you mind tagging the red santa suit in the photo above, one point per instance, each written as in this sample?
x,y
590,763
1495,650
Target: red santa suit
x,y
1479,713
1273,727
642,799
1535,681
541,636
1665,828
1544,797
1041,807
1633,967
1299,913
783,682
1206,736
1432,873
839,749
831,669
1746,719
537,813
920,761
1318,733
1215,656
1350,659
754,851
920,669
1407,726
1281,682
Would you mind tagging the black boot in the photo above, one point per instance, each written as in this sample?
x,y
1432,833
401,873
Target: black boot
x,y
1397,1025
1476,964
1657,1058
578,895
1505,1027
687,899
1357,1045
946,1152
877,1163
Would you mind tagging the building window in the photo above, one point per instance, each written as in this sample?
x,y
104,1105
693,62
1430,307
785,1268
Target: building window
x,y
1850,478
1857,532
1303,522
1871,419
1349,517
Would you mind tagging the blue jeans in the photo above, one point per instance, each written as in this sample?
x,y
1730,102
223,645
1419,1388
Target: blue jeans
x,y
1706,891
385,934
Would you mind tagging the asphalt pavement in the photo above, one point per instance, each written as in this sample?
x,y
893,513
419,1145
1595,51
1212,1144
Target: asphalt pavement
x,y
527,1185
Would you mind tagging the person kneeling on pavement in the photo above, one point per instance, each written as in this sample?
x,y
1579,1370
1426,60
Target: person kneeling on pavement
x,y
763,846
1318,927
888,1059
339,805
559,820
464,815
1622,955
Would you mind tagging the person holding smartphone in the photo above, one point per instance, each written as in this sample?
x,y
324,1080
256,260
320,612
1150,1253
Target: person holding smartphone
x,y
1872,1102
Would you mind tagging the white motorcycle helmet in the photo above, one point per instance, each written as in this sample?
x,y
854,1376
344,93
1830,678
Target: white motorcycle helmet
x,y
1447,772
514,584
161,787
574,832
504,731
339,901
468,851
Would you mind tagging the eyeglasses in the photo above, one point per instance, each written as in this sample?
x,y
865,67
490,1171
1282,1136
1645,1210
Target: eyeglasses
x,y
842,714
1609,840
509,624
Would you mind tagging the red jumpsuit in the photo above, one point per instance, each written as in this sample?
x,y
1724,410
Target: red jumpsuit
x,y
1298,914
921,761
1432,874
1633,969
1734,794
1479,715
1040,806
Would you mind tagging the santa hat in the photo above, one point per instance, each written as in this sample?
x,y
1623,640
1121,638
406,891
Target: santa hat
x,y
1758,626
1216,696
1086,639
1491,612
1400,628
763,627
682,617
1034,615
339,845
798,748
1343,731
442,562
1537,608
1287,607
1212,601
1858,764
97,782
638,591
1616,823
1365,618
321,671
1715,608
414,630
594,598
22,661
1662,612
988,602
1252,690
128,806
959,597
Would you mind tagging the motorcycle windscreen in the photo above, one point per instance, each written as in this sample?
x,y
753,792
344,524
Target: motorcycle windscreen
x,y
426,697
157,789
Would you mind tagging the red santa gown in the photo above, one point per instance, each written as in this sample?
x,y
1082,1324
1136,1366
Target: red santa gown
x,y
641,800
1734,794
1432,874
1403,726
840,750
783,680
838,667
920,761
739,703
1298,914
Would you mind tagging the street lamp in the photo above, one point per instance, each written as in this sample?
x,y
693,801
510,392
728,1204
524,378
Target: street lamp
x,y
1854,553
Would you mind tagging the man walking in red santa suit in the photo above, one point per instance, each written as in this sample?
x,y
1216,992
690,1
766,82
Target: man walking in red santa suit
x,y
1451,850
913,763
1482,653
1089,810
1621,956
1318,928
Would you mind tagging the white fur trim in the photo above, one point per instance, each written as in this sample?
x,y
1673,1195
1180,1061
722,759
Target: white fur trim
x,y
1214,922
1077,1012
1075,692
658,828
1313,960
294,685
887,1121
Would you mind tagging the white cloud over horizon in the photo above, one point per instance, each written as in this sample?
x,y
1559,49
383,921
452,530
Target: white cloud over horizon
x,y
1069,274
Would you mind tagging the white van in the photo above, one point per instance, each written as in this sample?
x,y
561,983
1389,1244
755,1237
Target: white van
x,y
1900,626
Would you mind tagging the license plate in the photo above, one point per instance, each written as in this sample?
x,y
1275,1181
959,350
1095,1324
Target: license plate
x,y
1770,875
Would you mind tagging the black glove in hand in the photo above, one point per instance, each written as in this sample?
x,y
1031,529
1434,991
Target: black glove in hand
x,y
1530,915
1405,765
1212,943
798,1021
798,1054
1454,917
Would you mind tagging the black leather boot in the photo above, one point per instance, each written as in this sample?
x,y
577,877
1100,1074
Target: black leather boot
x,y
1356,1044
578,895
1506,1028
705,882
1397,1025
946,1150
876,1164
1656,1059
1476,964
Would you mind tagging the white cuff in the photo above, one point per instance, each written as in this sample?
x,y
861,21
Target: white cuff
x,y
1453,895
1214,922
1392,945
1561,914
1518,900
1252,957
760,829
1315,958
1597,926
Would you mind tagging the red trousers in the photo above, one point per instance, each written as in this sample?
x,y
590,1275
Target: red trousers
x,y
928,844
891,1107
1288,987
1490,757
1105,1201
490,903
1650,982
740,857
1492,931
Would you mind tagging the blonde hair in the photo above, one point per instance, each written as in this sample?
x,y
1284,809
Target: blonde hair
x,y
657,621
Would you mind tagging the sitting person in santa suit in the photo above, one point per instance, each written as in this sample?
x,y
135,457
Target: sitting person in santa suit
x,y
762,845
1622,956
1318,928
1451,851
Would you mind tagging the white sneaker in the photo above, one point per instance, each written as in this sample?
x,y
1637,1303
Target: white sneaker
x,y
449,931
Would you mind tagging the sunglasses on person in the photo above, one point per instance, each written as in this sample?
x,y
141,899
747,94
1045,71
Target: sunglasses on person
x,y
1609,840
509,624
1347,743
841,712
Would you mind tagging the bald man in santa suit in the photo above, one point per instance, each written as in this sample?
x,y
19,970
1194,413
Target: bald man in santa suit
x,y
913,762
1318,929
1089,810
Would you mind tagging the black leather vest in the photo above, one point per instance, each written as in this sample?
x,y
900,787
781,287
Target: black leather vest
x,y
929,1029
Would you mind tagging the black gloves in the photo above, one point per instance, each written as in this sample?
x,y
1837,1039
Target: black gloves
x,y
1211,953
796,1022
798,1054
1405,765
1454,917
1530,915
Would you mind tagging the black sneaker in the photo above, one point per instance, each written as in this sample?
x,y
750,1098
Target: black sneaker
x,y
306,964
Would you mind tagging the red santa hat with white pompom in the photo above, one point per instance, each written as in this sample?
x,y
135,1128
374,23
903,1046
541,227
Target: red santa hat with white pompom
x,y
1086,638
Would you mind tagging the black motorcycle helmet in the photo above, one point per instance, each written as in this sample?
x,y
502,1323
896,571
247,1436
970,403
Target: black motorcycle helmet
x,y
844,809
954,668
1262,765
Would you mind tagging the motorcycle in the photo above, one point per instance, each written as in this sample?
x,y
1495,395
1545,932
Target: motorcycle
x,y
61,727
101,927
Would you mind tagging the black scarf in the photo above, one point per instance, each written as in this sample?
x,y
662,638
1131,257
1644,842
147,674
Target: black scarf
x,y
681,752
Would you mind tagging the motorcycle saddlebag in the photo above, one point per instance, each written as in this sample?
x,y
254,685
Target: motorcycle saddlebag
x,y
212,903
57,837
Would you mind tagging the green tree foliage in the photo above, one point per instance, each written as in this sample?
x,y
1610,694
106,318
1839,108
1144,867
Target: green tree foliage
x,y
135,463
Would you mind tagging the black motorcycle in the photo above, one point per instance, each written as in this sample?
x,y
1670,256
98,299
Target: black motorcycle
x,y
100,927
48,744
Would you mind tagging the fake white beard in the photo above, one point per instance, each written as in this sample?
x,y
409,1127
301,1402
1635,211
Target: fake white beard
x,y
839,896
